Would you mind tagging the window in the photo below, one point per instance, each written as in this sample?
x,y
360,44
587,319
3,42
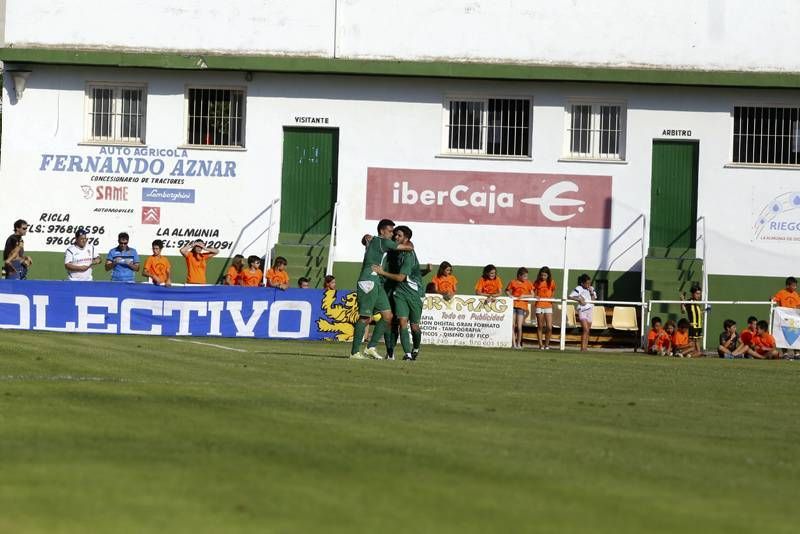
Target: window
x,y
116,114
488,127
766,135
595,131
215,117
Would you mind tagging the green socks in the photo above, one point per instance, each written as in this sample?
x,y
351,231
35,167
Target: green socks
x,y
358,335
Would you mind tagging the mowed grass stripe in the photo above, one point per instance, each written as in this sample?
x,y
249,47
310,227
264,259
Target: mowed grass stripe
x,y
294,437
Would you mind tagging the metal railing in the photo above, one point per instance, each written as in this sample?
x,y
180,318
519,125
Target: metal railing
x,y
332,245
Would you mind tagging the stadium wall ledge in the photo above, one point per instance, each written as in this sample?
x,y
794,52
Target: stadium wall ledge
x,y
368,67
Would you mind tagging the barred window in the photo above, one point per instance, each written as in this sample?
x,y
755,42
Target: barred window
x,y
595,131
488,127
215,117
116,114
766,135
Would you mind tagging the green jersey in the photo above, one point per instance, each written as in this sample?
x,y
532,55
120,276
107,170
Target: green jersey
x,y
376,251
412,286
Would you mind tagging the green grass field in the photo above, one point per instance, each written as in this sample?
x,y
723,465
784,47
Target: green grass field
x,y
134,434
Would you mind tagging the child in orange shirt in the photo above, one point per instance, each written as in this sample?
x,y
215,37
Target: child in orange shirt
x,y
763,347
789,297
252,276
489,284
234,272
658,340
157,267
277,276
444,283
544,287
747,335
197,255
681,344
520,287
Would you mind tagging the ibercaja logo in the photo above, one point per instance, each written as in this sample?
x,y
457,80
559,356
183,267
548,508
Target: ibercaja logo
x,y
468,197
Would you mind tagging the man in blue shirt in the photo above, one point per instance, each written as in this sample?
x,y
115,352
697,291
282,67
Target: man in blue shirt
x,y
122,261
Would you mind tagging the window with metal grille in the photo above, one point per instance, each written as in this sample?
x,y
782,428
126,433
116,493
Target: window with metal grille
x,y
116,114
595,131
488,127
215,117
766,135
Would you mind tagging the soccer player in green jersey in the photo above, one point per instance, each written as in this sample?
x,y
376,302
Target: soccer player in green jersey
x,y
370,293
407,292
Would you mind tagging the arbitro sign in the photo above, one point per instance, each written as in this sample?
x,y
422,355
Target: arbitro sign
x,y
465,197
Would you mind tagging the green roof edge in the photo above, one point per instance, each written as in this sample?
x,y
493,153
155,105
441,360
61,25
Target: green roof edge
x,y
434,69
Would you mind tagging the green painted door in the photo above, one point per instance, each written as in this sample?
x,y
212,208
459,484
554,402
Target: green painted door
x,y
673,193
308,184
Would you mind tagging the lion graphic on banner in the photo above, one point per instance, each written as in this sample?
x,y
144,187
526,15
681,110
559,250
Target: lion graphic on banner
x,y
342,315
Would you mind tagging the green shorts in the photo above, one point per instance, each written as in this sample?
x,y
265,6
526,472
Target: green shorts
x,y
408,306
371,298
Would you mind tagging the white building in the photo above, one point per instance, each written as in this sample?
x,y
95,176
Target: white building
x,y
472,122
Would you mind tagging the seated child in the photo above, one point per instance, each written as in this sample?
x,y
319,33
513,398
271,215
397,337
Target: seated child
x,y
729,344
763,347
252,276
747,335
682,345
277,275
234,272
658,340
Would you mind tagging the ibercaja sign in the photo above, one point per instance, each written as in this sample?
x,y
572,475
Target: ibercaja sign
x,y
469,197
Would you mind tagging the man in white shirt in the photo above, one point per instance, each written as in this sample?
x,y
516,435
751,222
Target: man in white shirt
x,y
80,258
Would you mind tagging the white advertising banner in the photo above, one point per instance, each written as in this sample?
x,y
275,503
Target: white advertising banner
x,y
467,320
173,194
786,328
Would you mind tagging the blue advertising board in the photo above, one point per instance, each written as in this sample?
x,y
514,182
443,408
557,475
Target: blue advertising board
x,y
202,311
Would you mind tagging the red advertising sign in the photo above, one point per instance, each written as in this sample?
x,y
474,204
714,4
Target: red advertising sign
x,y
497,198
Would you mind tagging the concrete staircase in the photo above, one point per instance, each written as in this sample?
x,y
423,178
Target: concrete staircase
x,y
307,256
668,273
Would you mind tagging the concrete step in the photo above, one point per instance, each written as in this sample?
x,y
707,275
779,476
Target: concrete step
x,y
304,239
676,253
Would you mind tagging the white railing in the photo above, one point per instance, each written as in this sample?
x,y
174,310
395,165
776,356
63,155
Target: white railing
x,y
268,255
332,246
701,222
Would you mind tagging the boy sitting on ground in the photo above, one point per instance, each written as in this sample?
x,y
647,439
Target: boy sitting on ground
x,y
729,345
682,346
658,341
763,347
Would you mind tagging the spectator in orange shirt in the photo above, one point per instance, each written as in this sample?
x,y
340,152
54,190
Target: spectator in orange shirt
x,y
544,287
658,340
253,276
444,283
197,255
234,273
681,344
763,347
670,327
788,298
489,284
520,287
157,267
277,276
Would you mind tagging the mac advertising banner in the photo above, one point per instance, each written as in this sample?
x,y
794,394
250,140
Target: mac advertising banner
x,y
468,197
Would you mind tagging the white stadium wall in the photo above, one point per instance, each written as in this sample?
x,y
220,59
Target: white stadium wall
x,y
388,123
738,35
